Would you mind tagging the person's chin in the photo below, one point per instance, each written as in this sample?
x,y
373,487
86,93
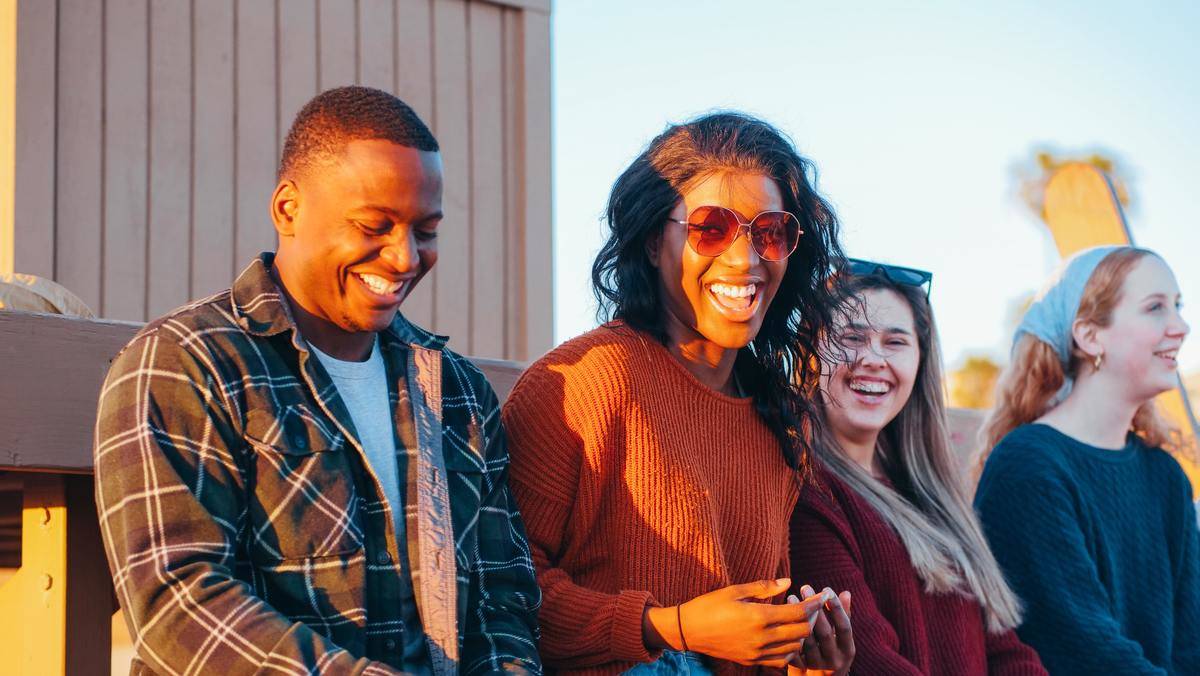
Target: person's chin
x,y
731,335
1161,386
372,321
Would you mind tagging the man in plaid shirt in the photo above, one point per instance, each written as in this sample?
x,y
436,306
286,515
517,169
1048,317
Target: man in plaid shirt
x,y
293,478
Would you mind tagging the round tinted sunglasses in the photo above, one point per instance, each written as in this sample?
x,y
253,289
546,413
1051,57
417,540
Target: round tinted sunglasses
x,y
712,230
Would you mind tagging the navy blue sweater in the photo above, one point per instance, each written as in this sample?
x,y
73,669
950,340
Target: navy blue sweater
x,y
1102,547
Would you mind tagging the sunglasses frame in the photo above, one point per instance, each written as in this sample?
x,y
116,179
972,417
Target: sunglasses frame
x,y
742,225
874,268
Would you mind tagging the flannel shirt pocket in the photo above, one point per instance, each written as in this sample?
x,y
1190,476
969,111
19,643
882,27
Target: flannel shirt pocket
x,y
466,482
305,504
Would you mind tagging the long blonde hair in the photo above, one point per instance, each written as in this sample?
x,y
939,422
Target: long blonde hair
x,y
1026,389
929,506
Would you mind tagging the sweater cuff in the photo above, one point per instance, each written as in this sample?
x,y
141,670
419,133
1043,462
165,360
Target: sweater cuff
x,y
628,643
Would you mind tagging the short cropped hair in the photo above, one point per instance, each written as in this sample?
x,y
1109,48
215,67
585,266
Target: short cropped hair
x,y
335,117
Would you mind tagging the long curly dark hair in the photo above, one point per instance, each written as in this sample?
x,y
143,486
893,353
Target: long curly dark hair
x,y
781,365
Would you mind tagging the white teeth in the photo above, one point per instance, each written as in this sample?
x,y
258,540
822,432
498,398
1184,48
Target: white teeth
x,y
379,284
734,291
870,386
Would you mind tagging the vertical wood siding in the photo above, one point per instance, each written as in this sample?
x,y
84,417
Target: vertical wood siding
x,y
148,133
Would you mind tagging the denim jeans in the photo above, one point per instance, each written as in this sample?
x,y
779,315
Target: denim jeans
x,y
674,662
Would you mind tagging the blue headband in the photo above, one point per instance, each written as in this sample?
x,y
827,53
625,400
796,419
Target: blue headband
x,y
1052,314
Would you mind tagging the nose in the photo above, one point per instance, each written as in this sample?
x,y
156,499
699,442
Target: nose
x,y
401,251
1178,327
871,356
741,254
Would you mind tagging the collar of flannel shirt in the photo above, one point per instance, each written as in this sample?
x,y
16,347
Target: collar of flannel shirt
x,y
260,309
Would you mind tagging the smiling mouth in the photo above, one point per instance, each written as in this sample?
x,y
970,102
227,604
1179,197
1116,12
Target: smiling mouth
x,y
380,286
1169,355
737,301
870,388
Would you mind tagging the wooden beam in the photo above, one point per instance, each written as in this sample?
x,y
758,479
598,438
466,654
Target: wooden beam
x,y
36,154
539,207
53,370
8,132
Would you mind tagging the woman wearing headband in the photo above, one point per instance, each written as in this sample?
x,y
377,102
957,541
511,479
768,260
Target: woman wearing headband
x,y
888,517
657,458
1091,521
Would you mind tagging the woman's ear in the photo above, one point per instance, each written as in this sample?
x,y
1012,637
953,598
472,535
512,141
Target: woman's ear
x,y
1087,337
653,247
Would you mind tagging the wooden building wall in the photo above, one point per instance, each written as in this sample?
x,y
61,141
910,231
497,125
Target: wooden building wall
x,y
148,131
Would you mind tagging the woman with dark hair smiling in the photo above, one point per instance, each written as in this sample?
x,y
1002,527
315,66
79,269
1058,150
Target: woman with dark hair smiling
x,y
888,516
657,458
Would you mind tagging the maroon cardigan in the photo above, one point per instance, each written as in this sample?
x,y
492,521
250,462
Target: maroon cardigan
x,y
840,541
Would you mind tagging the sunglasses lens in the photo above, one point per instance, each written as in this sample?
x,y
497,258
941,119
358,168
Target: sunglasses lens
x,y
776,234
910,277
711,230
860,268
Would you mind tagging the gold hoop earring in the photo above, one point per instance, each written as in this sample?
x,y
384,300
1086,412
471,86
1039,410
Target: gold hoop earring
x,y
1098,361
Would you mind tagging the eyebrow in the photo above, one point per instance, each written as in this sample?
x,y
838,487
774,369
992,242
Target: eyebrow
x,y
1161,295
858,326
435,216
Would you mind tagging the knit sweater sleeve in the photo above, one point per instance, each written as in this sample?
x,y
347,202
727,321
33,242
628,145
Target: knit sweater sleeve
x,y
1029,515
823,554
581,627
1008,656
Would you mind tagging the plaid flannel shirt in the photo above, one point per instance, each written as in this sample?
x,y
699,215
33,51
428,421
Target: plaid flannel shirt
x,y
245,531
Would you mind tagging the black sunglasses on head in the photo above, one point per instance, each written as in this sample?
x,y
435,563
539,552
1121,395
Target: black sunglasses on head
x,y
895,273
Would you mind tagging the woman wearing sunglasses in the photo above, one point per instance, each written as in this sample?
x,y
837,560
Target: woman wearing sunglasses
x,y
1091,520
887,516
656,459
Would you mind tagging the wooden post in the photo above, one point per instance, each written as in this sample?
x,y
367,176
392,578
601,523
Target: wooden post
x,y
55,612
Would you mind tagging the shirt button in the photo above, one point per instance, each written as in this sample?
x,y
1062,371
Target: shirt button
x,y
384,558
390,644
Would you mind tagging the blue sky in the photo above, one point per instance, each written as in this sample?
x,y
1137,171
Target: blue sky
x,y
914,116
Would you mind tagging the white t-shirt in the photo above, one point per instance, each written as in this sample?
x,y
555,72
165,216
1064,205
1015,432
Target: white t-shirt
x,y
363,387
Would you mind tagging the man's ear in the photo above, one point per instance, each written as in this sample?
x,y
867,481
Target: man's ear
x,y
653,246
285,203
1086,335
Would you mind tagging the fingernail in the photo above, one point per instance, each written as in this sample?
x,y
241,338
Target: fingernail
x,y
807,591
792,599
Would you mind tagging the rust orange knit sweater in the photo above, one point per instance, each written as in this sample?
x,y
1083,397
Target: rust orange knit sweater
x,y
638,485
